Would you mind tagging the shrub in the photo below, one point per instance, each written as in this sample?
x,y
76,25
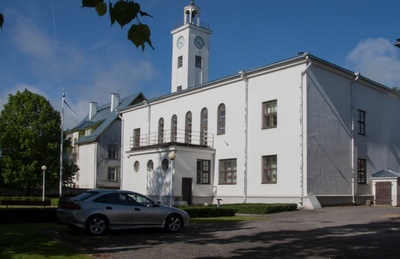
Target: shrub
x,y
209,212
27,215
261,208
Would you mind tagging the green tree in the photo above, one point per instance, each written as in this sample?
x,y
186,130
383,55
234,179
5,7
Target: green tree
x,y
30,138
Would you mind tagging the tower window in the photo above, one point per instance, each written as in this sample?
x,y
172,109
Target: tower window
x,y
199,61
180,61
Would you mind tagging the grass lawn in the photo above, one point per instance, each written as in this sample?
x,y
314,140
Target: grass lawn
x,y
26,241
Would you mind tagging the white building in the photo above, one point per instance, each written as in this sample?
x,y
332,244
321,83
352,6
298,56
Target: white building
x,y
291,131
96,144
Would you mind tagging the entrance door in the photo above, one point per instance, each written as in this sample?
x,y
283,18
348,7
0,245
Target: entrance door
x,y
383,193
187,190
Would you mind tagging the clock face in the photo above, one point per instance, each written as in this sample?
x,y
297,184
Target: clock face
x,y
199,42
180,42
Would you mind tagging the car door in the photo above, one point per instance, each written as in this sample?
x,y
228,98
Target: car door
x,y
145,211
117,208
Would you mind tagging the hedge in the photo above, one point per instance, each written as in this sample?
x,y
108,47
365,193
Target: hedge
x,y
261,208
209,212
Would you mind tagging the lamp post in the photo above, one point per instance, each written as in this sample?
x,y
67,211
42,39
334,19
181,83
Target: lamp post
x,y
172,156
44,168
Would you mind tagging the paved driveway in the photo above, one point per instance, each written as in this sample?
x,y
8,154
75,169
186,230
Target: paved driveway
x,y
333,232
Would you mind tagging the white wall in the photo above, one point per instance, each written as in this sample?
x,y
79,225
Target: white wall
x,y
86,161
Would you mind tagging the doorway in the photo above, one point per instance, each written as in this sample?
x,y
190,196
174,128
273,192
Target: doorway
x,y
383,193
187,190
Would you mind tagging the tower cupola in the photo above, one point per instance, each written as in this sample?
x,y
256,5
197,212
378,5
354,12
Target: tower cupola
x,y
190,50
192,14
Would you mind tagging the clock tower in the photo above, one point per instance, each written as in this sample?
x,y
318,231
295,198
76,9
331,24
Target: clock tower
x,y
190,51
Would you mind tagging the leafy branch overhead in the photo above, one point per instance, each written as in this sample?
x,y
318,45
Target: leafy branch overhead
x,y
1,21
124,12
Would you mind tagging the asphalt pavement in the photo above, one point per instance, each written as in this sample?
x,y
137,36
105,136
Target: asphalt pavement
x,y
331,232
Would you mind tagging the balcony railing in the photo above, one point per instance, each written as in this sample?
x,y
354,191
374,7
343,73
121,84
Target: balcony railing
x,y
197,23
179,137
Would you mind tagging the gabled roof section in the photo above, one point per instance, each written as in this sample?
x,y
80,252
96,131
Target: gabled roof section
x,y
386,173
104,117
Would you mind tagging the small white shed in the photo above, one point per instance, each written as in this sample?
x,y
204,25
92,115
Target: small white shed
x,y
386,187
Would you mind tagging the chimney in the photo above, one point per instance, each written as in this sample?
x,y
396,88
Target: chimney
x,y
114,101
92,109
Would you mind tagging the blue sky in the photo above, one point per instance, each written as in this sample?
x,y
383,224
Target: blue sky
x,y
50,45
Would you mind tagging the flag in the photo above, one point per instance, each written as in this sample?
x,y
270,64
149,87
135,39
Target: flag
x,y
68,105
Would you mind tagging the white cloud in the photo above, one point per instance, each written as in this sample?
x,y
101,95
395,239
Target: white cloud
x,y
31,40
378,60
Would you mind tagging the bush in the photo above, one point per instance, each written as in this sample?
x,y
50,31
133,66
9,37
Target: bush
x,y
261,208
229,210
209,212
28,215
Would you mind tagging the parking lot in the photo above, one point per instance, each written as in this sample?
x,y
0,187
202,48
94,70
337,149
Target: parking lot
x,y
332,232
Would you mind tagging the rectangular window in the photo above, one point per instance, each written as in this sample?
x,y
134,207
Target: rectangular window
x,y
180,61
227,171
361,122
270,169
199,61
136,137
112,151
112,174
270,114
203,171
362,171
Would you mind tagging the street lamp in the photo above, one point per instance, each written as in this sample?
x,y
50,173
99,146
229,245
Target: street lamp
x,y
172,156
44,168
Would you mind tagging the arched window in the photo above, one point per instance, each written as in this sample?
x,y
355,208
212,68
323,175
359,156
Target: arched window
x,y
221,119
203,126
174,128
188,128
150,166
161,131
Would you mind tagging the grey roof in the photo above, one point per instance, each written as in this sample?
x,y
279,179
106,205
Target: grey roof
x,y
104,117
384,173
302,56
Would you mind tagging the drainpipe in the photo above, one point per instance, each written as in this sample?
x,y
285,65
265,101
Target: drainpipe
x,y
303,73
353,182
146,103
246,131
121,151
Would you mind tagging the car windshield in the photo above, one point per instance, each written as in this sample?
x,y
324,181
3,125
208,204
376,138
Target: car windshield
x,y
84,196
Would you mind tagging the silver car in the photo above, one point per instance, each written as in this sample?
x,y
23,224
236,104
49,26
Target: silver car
x,y
96,211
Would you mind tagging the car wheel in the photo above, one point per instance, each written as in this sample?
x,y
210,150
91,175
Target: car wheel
x,y
96,225
174,223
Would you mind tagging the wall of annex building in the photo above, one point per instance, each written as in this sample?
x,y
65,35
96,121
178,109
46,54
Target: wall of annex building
x,y
86,161
329,133
330,115
380,145
282,141
155,181
112,136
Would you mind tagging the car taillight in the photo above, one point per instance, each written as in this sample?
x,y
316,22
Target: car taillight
x,y
73,206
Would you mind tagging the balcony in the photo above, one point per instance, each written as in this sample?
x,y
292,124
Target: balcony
x,y
168,138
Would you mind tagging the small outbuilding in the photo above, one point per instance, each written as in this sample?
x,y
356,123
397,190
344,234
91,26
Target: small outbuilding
x,y
386,187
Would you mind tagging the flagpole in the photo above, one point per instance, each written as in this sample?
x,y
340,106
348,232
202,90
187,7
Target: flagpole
x,y
62,142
